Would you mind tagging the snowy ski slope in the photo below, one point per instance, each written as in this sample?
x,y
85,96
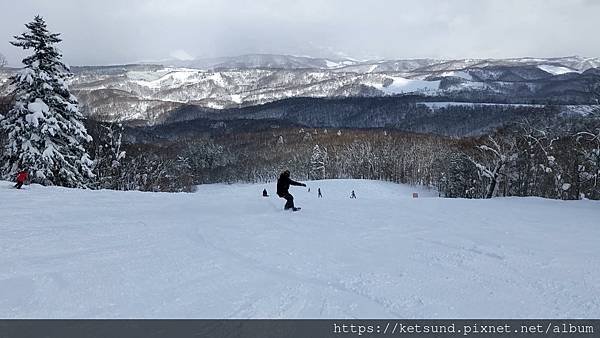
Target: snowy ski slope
x,y
227,252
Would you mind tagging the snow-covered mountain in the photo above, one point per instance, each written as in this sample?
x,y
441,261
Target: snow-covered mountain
x,y
105,254
148,92
249,61
143,94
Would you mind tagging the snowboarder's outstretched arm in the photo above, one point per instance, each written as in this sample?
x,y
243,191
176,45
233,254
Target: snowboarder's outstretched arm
x,y
292,182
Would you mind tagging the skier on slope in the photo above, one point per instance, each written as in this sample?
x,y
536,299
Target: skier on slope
x,y
21,178
283,185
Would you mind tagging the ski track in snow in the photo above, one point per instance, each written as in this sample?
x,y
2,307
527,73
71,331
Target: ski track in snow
x,y
227,252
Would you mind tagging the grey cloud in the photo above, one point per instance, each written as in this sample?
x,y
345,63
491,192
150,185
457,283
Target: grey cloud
x,y
104,32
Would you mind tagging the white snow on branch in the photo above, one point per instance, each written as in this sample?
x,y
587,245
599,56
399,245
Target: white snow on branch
x,y
37,108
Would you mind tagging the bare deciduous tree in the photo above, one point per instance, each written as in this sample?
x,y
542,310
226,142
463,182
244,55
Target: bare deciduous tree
x,y
498,153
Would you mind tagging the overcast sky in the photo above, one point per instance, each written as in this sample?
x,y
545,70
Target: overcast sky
x,y
121,31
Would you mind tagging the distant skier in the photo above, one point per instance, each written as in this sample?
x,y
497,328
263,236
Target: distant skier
x,y
352,195
308,189
265,193
319,193
21,178
283,185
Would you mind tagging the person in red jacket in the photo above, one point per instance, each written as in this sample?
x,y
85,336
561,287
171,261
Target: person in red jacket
x,y
21,178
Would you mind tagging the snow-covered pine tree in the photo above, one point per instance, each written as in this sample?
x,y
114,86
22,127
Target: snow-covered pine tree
x,y
46,135
317,163
462,178
2,61
108,155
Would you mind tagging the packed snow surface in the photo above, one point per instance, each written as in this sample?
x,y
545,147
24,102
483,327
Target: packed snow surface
x,y
225,251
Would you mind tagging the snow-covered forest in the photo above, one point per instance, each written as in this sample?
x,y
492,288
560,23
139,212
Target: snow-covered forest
x,y
552,159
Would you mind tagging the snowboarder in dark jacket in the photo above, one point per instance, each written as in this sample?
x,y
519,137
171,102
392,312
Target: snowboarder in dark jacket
x,y
21,178
283,186
265,193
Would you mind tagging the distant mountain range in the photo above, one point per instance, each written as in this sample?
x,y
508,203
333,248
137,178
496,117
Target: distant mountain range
x,y
273,61
249,61
150,93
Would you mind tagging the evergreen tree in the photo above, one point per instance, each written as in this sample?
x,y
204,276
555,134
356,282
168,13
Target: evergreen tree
x,y
46,135
317,163
108,155
2,61
462,179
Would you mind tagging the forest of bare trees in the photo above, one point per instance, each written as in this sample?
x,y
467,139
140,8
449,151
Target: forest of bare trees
x,y
554,159
528,159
